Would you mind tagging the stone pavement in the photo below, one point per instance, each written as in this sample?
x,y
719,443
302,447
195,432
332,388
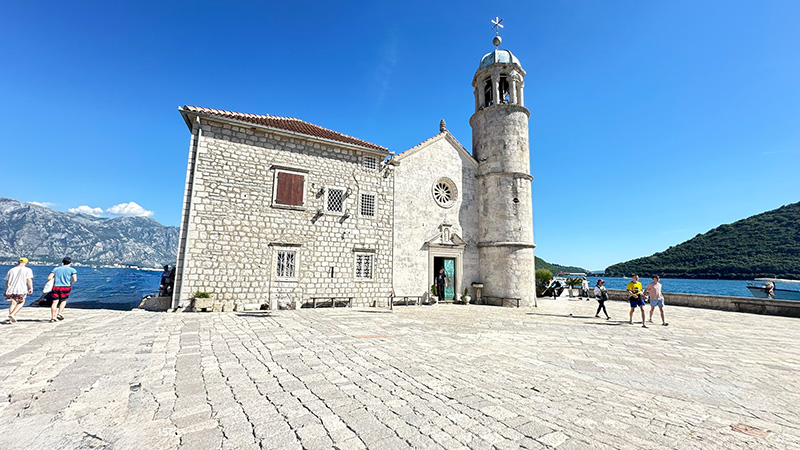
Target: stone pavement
x,y
448,376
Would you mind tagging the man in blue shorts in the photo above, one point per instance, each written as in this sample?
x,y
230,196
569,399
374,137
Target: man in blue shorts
x,y
64,276
653,291
635,297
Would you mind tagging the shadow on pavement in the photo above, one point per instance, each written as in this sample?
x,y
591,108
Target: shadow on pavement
x,y
255,314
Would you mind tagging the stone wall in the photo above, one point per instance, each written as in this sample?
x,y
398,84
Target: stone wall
x,y
232,230
741,304
505,211
419,219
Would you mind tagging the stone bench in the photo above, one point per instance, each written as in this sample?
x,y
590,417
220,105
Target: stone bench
x,y
415,299
500,301
348,301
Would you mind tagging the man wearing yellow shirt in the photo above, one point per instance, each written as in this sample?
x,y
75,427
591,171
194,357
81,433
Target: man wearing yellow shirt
x,y
635,297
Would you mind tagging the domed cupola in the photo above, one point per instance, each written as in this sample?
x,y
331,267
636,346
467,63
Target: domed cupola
x,y
498,57
499,79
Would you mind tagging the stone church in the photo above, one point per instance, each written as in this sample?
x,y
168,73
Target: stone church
x,y
280,213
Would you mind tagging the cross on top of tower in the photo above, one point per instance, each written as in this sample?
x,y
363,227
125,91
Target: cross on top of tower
x,y
497,24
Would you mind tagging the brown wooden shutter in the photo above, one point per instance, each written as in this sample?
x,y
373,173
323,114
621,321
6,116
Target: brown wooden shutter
x,y
296,194
282,190
290,189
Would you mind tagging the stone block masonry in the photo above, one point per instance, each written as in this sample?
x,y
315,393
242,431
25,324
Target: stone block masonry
x,y
233,230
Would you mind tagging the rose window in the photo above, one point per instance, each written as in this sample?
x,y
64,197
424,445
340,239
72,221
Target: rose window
x,y
445,192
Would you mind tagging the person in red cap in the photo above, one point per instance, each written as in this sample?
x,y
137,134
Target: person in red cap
x,y
19,283
601,295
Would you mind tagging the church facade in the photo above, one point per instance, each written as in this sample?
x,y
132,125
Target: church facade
x,y
279,213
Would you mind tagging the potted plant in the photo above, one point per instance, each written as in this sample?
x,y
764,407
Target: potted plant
x,y
572,282
434,294
201,301
466,298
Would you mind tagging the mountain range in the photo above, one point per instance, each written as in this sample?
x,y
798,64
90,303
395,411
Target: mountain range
x,y
44,235
764,245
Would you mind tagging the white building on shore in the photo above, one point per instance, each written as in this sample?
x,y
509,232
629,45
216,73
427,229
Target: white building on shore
x,y
278,212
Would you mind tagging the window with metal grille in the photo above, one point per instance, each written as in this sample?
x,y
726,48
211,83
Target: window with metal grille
x,y
335,200
370,162
368,205
364,265
287,260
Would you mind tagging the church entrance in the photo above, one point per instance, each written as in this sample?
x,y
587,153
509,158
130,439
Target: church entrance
x,y
449,265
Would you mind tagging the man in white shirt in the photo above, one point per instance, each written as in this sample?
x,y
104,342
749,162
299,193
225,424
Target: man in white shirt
x,y
19,283
584,289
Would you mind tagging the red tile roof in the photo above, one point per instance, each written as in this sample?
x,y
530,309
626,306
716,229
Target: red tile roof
x,y
287,124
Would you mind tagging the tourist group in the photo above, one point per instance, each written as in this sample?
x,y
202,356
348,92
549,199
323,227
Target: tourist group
x,y
636,297
19,284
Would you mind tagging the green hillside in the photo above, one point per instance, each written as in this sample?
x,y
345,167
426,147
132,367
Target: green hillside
x,y
556,268
764,245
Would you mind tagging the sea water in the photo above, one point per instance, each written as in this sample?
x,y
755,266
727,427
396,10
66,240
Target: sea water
x,y
727,288
99,288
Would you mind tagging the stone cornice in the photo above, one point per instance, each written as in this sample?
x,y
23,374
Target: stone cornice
x,y
507,244
523,175
498,107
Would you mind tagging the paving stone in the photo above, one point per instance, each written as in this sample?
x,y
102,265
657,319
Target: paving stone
x,y
445,377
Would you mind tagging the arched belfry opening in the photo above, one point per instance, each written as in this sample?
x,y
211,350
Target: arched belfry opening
x,y
499,80
487,92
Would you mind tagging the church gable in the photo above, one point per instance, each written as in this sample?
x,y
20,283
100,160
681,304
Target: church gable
x,y
434,143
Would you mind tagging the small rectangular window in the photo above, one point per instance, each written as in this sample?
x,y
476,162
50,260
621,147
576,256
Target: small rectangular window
x,y
367,205
335,200
287,262
364,263
289,188
370,162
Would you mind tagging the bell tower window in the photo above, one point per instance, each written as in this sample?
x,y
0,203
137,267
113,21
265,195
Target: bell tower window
x,y
505,95
487,92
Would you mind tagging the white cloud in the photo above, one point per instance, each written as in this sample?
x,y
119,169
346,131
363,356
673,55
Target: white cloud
x,y
129,209
83,209
44,204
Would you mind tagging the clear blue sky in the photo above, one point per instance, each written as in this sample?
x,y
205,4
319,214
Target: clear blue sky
x,y
650,121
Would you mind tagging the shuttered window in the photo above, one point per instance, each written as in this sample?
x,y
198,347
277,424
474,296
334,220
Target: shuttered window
x,y
289,189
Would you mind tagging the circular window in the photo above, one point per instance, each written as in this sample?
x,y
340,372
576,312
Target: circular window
x,y
445,192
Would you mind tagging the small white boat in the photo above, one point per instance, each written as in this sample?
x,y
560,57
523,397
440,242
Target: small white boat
x,y
781,289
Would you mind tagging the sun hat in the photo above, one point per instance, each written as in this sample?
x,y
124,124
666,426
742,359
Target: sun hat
x,y
23,259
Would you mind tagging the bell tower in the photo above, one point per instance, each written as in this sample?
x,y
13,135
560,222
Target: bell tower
x,y
505,206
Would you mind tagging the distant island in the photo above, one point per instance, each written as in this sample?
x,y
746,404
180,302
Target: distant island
x,y
45,236
764,245
557,268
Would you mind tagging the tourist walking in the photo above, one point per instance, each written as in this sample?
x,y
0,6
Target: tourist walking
x,y
635,297
653,291
601,295
19,283
554,287
64,277
584,289
441,283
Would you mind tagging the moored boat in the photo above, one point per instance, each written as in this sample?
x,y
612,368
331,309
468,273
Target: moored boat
x,y
777,288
